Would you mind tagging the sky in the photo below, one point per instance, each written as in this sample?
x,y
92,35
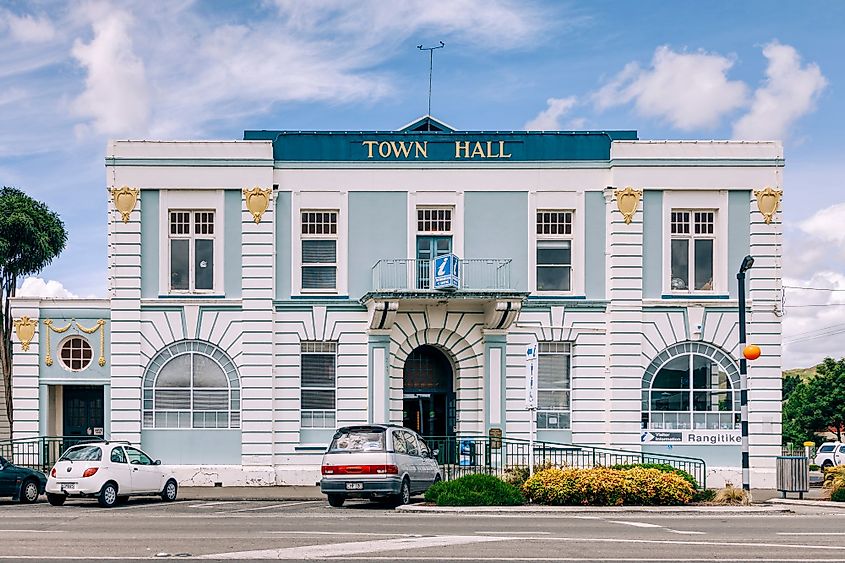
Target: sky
x,y
74,74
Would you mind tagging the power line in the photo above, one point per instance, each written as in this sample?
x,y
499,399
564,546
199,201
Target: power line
x,y
817,305
836,326
809,337
812,288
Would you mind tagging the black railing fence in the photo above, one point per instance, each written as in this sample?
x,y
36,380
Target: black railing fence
x,y
39,453
464,455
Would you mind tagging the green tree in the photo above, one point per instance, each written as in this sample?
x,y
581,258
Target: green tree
x,y
31,235
790,382
816,405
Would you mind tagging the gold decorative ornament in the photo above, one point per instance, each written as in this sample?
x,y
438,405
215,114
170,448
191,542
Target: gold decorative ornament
x,y
124,200
257,201
48,358
25,329
628,200
768,200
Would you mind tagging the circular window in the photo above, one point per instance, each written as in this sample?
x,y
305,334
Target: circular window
x,y
76,353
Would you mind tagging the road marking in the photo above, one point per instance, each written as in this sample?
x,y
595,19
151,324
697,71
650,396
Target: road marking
x,y
34,531
203,505
503,533
635,524
138,506
344,550
686,532
811,533
285,504
323,533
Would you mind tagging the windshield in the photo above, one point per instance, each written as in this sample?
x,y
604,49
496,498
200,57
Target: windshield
x,y
358,440
82,453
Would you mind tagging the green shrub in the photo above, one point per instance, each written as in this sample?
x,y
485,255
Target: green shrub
x,y
516,475
474,490
703,495
838,495
814,467
664,467
602,486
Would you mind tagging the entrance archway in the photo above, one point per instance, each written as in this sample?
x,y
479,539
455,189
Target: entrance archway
x,y
428,404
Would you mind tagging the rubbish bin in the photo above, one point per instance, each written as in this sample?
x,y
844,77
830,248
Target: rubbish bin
x,y
793,474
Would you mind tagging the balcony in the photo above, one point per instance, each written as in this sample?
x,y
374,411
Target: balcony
x,y
475,274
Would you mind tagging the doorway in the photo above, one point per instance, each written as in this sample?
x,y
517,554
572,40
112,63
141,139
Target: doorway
x,y
83,413
429,248
429,398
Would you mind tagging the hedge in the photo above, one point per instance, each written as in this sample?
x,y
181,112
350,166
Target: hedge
x,y
664,467
602,486
474,490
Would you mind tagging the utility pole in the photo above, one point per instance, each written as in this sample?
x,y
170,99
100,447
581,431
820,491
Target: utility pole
x,y
430,67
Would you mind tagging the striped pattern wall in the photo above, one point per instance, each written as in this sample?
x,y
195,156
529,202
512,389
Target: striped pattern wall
x,y
256,363
349,330
125,282
624,329
764,329
585,328
25,390
459,335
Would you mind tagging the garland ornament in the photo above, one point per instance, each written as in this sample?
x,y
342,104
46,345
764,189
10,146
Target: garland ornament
x,y
628,200
257,201
48,358
768,200
124,200
25,329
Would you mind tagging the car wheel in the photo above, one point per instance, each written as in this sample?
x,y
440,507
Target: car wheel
x,y
336,500
827,463
404,496
29,492
108,495
56,500
169,492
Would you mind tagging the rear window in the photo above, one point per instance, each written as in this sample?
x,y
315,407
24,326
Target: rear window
x,y
826,449
83,453
358,440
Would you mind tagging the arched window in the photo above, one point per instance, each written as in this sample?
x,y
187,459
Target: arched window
x,y
691,385
191,384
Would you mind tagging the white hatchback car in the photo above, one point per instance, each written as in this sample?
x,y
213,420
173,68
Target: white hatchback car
x,y
109,471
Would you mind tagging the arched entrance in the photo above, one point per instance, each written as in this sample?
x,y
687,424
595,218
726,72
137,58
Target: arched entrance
x,y
429,397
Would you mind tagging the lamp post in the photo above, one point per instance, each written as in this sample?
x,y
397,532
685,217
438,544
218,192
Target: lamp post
x,y
747,262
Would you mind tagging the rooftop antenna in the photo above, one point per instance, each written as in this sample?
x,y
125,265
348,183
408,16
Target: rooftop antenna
x,y
430,67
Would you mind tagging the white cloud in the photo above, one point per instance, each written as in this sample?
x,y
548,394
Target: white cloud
x,y
814,324
37,287
689,90
550,118
116,96
27,28
826,224
789,92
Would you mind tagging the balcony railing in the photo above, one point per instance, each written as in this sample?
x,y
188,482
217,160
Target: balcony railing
x,y
475,274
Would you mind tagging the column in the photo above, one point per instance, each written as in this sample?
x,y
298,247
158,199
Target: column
x,y
379,377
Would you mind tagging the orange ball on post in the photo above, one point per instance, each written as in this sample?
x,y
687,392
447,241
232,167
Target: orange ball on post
x,y
751,352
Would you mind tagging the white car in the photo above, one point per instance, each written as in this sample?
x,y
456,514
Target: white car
x,y
109,471
830,454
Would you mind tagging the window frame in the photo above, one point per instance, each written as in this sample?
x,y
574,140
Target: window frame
x,y
691,236
303,237
445,209
192,236
548,238
648,413
63,361
557,348
318,348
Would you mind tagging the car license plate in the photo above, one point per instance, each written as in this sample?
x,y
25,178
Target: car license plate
x,y
354,486
68,486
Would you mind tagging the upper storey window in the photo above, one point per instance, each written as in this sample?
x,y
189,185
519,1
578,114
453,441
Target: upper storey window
x,y
554,250
434,220
191,236
319,250
692,243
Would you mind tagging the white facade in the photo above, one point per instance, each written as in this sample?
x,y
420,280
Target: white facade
x,y
616,315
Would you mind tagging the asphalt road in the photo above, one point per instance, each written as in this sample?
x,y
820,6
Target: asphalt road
x,y
303,530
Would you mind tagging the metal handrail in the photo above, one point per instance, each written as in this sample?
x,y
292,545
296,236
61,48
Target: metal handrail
x,y
465,454
40,452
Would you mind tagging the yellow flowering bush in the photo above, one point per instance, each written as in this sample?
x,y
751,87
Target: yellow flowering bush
x,y
602,486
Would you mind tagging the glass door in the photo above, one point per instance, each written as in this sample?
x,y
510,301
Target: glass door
x,y
429,248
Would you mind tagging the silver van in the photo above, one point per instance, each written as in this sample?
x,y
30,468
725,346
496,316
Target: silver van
x,y
387,463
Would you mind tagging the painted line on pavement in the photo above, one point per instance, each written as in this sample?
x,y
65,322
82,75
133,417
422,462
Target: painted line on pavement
x,y
33,531
504,533
811,533
635,524
344,550
203,505
282,505
324,533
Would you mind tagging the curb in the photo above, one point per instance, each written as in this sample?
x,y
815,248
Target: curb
x,y
536,509
807,502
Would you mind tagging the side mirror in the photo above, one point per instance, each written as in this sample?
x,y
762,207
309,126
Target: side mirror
x,y
157,462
